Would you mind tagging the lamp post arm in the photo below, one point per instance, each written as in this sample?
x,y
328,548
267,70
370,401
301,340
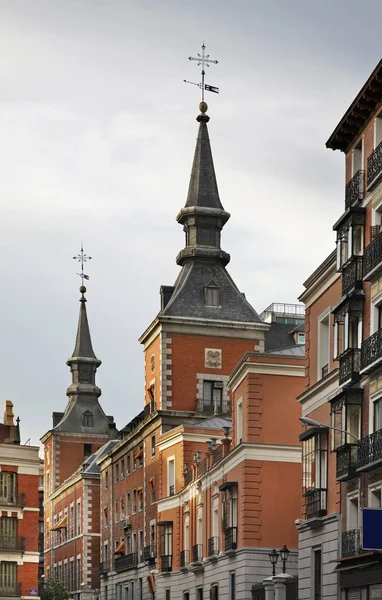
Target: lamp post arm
x,y
343,431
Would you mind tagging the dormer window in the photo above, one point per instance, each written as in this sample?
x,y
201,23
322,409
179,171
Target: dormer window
x,y
212,294
87,419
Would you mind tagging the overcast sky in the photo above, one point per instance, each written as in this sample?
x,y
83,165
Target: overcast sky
x,y
97,133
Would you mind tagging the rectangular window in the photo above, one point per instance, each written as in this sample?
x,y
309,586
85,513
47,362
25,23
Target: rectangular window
x,y
317,574
232,585
323,345
239,419
8,487
141,545
128,508
377,414
106,479
116,473
215,592
79,574
375,498
105,517
78,517
116,511
122,468
71,521
167,594
134,501
128,464
347,417
186,595
171,476
87,450
153,445
165,540
213,397
314,474
199,593
8,577
352,512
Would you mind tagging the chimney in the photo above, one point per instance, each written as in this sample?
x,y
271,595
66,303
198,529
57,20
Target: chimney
x,y
8,413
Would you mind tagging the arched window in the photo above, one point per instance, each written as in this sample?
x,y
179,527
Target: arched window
x,y
211,294
87,419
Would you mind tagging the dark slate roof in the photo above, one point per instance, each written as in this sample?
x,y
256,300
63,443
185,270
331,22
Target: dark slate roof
x,y
83,347
71,420
296,350
280,336
90,466
188,299
212,423
203,189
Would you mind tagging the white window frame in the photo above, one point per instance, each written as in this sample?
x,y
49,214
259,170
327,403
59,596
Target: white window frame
x,y
322,317
349,498
372,488
239,422
171,459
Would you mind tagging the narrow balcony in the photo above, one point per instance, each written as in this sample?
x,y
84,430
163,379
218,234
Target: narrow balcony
x,y
166,563
315,503
103,568
374,166
372,259
197,553
184,559
346,462
352,275
230,539
350,543
208,408
371,352
12,591
349,366
149,554
213,546
188,476
217,454
355,189
369,453
12,544
12,499
129,561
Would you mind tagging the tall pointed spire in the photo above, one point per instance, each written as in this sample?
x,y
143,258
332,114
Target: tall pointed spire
x,y
83,363
203,216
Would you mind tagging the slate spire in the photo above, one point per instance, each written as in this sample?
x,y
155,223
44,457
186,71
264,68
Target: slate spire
x,y
203,216
83,363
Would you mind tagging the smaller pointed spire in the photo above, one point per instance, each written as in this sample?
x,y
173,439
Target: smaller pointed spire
x,y
83,347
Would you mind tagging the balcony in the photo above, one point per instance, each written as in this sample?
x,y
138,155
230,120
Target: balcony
x,y
188,476
217,454
371,352
350,362
208,408
374,166
355,189
197,553
103,568
346,462
230,539
372,259
12,544
12,499
352,275
166,563
213,546
149,554
12,591
184,559
350,543
129,561
369,452
315,503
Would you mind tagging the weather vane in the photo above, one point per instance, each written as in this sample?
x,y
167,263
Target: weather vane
x,y
204,60
82,258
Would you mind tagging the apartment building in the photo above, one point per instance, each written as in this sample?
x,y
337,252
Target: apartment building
x,y
19,483
342,461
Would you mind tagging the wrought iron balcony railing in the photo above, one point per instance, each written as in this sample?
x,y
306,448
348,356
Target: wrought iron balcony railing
x,y
350,364
149,553
197,553
217,454
369,451
184,558
10,590
213,546
371,350
230,538
372,258
352,275
315,503
346,462
166,563
103,568
355,189
209,407
188,476
129,561
12,499
202,466
350,543
374,166
12,544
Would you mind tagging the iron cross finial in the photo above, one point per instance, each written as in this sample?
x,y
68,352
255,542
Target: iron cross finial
x,y
203,60
82,258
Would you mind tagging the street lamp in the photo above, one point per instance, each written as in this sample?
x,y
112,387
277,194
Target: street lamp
x,y
273,557
284,553
307,421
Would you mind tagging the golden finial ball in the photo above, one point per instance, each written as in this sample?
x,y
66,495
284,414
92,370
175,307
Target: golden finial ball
x,y
82,289
203,107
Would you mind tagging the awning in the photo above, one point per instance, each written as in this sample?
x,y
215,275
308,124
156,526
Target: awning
x,y
60,524
120,549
